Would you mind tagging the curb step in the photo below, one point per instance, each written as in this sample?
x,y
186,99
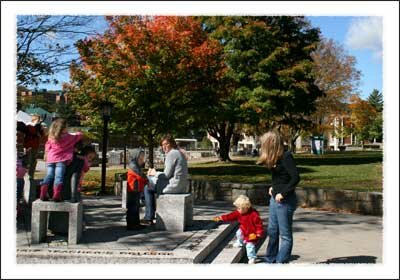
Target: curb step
x,y
222,245
230,254
213,240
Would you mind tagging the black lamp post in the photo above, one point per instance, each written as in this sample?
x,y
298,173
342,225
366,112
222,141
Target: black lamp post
x,y
105,108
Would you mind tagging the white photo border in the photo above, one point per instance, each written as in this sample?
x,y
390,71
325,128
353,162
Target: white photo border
x,y
389,10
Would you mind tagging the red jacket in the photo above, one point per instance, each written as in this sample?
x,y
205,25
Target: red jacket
x,y
33,136
250,222
135,182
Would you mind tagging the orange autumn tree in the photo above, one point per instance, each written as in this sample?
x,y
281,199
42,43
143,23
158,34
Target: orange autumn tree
x,y
362,117
337,76
161,72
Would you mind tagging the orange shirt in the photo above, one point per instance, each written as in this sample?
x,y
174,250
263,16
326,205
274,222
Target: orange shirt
x,y
132,179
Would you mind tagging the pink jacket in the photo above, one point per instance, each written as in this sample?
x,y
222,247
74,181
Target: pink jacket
x,y
63,149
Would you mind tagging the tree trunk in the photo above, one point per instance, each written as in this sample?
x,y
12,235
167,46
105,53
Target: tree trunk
x,y
224,150
223,133
292,140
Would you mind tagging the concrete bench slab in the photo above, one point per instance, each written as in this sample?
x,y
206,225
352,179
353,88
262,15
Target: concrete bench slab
x,y
124,190
174,212
40,211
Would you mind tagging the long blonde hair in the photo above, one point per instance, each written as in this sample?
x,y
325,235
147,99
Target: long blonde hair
x,y
56,129
271,148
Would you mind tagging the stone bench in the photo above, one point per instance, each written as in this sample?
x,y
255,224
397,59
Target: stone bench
x,y
174,212
124,190
40,210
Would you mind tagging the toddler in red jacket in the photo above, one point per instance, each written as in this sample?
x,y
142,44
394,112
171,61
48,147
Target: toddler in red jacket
x,y
251,226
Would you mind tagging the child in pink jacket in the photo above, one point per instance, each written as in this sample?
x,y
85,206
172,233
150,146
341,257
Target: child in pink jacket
x,y
59,151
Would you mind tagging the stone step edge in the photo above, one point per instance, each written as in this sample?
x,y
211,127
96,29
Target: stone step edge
x,y
211,241
230,254
179,255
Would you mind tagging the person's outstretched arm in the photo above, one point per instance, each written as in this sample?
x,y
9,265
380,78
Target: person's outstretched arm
x,y
233,216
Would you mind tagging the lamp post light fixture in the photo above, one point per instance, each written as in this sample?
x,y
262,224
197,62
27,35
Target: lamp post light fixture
x,y
105,109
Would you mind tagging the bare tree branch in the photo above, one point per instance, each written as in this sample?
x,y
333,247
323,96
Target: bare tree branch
x,y
45,45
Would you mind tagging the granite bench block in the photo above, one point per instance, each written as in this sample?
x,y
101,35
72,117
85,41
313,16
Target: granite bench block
x,y
40,210
174,212
124,190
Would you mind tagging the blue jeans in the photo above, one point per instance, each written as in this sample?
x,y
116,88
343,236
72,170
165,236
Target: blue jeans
x,y
150,203
154,188
250,246
55,173
280,225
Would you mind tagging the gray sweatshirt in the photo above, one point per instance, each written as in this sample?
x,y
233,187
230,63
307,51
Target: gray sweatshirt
x,y
176,171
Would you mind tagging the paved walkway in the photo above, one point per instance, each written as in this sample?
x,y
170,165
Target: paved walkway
x,y
319,236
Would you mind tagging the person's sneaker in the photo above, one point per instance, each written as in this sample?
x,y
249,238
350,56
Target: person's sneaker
x,y
252,261
237,244
147,222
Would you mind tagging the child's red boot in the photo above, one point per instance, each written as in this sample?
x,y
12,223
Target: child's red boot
x,y
43,192
57,192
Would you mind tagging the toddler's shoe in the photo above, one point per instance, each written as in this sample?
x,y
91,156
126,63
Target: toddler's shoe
x,y
252,261
43,193
237,244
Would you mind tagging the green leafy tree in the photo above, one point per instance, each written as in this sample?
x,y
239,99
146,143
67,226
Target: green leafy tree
x,y
269,72
67,112
376,129
376,100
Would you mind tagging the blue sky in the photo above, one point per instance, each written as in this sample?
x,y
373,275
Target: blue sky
x,y
361,37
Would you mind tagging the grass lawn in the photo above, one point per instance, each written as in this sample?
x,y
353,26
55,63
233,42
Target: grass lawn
x,y
92,181
344,170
